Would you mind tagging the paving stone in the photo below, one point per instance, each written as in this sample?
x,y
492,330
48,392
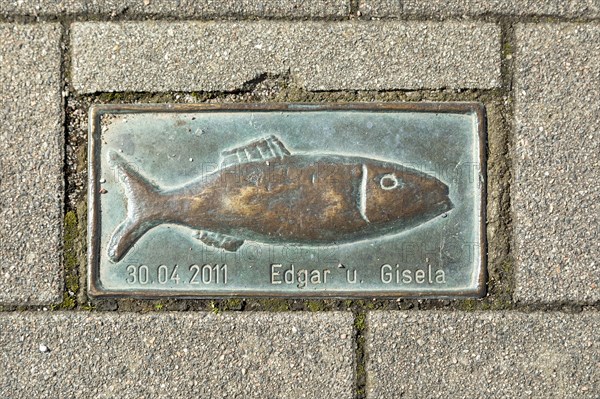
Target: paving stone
x,y
31,162
460,8
177,355
380,8
483,355
196,56
178,8
556,194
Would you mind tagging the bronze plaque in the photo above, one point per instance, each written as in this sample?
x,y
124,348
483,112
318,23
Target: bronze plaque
x,y
294,200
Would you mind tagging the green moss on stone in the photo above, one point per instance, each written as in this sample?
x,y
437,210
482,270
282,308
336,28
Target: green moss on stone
x,y
360,322
274,305
88,307
214,307
315,306
135,97
233,304
68,302
469,305
361,375
507,49
71,259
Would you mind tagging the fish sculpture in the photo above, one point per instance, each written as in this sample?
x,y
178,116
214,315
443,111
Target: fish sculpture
x,y
262,192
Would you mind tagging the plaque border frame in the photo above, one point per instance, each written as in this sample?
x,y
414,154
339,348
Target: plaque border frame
x,y
94,287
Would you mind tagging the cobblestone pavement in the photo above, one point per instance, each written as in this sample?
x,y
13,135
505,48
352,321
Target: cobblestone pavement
x,y
534,64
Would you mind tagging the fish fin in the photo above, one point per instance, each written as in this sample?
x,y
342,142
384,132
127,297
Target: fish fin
x,y
264,149
218,240
142,198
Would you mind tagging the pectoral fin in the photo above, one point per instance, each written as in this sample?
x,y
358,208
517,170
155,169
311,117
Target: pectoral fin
x,y
217,240
262,149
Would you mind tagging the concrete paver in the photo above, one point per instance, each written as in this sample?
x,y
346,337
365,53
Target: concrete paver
x,y
555,192
460,8
483,355
178,8
31,164
176,355
195,56
226,46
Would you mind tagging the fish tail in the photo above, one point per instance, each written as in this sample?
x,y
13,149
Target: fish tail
x,y
142,203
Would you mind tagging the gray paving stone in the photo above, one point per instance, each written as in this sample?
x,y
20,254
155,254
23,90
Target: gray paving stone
x,y
190,56
460,8
176,355
178,8
556,190
31,161
483,355
380,8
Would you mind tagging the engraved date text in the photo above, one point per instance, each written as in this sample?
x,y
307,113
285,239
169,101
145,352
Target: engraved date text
x,y
207,274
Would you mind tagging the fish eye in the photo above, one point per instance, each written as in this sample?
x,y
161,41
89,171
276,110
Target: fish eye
x,y
389,182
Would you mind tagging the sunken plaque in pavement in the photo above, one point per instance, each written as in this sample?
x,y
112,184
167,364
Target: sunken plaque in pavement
x,y
297,200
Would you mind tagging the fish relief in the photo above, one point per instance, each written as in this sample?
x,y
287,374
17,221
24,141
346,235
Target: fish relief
x,y
263,192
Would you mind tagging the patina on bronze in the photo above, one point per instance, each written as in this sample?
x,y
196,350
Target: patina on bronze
x,y
271,200
264,193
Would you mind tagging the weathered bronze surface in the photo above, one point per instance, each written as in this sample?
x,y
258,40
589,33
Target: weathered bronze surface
x,y
287,200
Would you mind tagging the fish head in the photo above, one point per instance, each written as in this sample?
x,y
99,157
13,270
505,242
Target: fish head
x,y
401,196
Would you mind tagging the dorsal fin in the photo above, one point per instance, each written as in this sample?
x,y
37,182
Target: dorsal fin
x,y
262,149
